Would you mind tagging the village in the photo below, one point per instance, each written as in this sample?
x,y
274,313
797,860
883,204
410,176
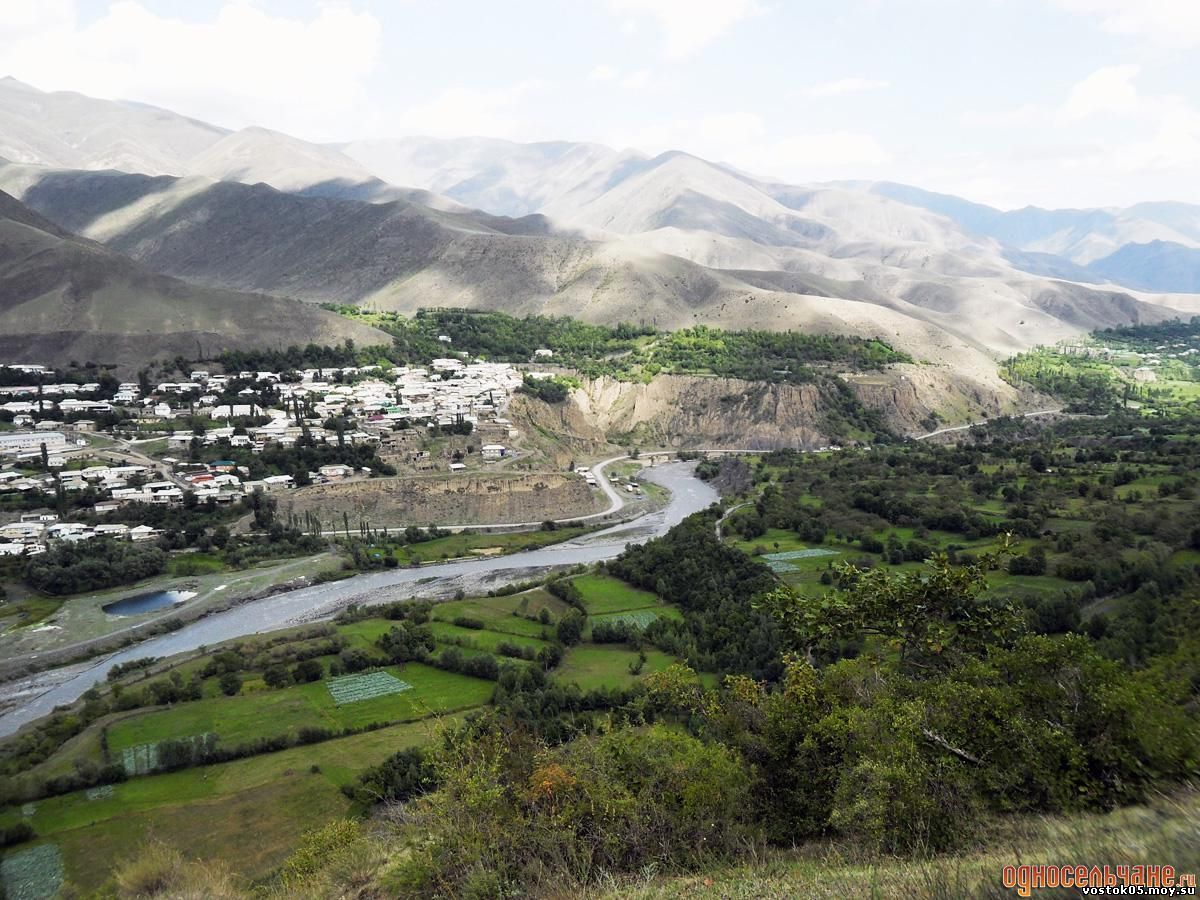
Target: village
x,y
80,451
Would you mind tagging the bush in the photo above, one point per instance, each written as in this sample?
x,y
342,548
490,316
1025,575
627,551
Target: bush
x,y
308,670
569,630
231,684
512,808
16,834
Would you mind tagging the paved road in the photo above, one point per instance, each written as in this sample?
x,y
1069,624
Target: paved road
x,y
688,495
1028,415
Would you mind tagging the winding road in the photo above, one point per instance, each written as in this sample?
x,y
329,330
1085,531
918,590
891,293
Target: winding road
x,y
59,686
951,428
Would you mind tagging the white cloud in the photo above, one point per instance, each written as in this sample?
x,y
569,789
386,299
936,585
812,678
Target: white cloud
x,y
1003,118
1105,139
1108,90
638,79
461,112
243,66
1173,23
686,25
743,139
603,72
846,86
24,17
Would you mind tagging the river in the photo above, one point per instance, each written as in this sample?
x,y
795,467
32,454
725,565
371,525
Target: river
x,y
50,688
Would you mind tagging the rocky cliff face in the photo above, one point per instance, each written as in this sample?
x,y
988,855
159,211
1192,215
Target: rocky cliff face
x,y
725,413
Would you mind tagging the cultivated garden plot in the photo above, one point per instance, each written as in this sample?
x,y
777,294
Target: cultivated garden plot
x,y
33,874
639,618
779,562
364,686
143,759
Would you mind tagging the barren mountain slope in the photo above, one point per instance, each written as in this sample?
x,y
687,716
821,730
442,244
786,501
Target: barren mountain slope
x,y
502,177
78,132
63,298
404,256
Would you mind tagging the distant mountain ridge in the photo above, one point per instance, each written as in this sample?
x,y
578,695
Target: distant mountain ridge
x,y
65,298
570,229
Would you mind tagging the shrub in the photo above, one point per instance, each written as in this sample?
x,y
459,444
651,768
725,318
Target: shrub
x,y
521,812
231,684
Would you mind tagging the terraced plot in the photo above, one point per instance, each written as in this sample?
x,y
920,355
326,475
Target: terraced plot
x,y
605,594
639,617
33,874
141,759
364,686
782,562
268,713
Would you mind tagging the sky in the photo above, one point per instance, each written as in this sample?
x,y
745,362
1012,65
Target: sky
x,y
1006,102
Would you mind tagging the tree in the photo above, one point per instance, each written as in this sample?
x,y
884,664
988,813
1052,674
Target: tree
x,y
570,628
231,684
932,617
1037,461
277,676
307,670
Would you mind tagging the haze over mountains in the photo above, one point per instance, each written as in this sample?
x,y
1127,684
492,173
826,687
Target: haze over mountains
x,y
63,298
584,230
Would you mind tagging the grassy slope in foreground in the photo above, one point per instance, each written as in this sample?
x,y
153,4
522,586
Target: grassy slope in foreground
x,y
1161,832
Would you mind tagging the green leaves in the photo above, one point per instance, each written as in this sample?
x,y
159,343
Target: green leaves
x,y
929,618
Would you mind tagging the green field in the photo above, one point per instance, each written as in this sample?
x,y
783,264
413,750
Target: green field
x,y
27,612
485,639
210,811
592,666
464,543
639,617
505,614
268,713
605,594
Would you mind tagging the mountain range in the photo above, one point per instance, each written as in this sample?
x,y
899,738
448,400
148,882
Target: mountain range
x,y
584,230
66,298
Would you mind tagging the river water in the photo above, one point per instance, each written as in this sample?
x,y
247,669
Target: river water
x,y
688,495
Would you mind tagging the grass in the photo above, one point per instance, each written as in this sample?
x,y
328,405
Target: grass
x,y
594,666
1161,832
249,812
30,611
605,594
365,633
268,713
639,617
1185,559
505,614
485,639
463,543
195,564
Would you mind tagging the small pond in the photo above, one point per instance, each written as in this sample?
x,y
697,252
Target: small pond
x,y
144,603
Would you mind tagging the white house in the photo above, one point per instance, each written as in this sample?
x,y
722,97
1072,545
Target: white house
x,y
492,451
142,533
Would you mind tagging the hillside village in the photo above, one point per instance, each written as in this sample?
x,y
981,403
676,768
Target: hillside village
x,y
86,449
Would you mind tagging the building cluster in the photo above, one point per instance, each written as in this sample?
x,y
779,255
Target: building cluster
x,y
392,410
34,532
